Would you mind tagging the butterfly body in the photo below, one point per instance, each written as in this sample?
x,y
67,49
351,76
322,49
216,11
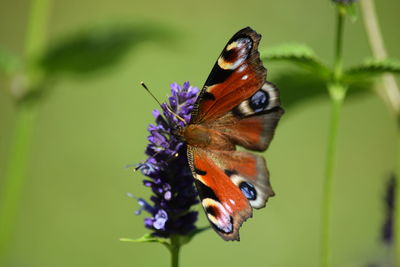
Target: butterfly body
x,y
236,107
204,137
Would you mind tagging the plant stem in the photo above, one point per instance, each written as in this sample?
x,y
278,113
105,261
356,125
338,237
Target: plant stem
x,y
26,113
15,174
36,32
338,65
174,248
390,93
337,93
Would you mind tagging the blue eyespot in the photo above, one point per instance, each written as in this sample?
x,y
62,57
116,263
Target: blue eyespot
x,y
259,101
248,190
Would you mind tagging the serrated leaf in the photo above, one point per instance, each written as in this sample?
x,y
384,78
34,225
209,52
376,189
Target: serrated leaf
x,y
98,48
147,238
372,68
9,62
299,54
301,87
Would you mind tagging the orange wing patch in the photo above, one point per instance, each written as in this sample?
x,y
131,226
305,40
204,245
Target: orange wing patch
x,y
224,203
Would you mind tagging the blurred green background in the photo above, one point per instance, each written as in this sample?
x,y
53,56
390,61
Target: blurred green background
x,y
74,207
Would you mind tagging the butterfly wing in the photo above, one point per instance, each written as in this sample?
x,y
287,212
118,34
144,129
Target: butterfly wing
x,y
252,123
236,76
229,183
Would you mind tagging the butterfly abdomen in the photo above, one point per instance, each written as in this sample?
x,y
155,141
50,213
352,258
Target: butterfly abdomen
x,y
197,135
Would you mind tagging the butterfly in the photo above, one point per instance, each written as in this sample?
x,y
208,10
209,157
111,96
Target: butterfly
x,y
236,107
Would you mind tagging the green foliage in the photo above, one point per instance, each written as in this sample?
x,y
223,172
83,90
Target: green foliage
x,y
9,62
147,238
298,87
371,68
182,239
97,48
299,54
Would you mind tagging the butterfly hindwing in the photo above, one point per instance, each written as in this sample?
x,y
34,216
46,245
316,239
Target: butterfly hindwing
x,y
225,206
236,76
229,183
252,123
265,99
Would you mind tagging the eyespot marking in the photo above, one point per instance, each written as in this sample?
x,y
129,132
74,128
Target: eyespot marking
x,y
211,210
248,190
259,101
218,216
235,54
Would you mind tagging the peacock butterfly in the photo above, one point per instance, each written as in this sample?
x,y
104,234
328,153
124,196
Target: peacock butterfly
x,y
236,107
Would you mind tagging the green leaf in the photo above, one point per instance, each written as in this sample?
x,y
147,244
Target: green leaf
x,y
98,47
372,68
182,239
147,238
9,62
298,87
299,54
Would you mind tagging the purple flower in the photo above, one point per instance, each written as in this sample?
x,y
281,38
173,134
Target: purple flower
x,y
390,198
167,169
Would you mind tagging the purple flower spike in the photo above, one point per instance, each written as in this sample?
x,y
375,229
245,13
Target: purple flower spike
x,y
390,200
169,175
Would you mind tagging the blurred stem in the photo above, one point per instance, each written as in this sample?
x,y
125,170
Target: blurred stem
x,y
15,174
390,93
337,93
337,68
174,248
25,118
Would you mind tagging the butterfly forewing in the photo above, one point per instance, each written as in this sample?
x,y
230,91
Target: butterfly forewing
x,y
236,76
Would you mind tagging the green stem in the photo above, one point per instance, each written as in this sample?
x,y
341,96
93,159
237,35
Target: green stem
x,y
390,93
337,93
338,65
15,174
26,113
174,248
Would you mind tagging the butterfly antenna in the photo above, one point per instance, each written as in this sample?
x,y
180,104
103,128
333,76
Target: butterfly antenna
x,y
168,108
